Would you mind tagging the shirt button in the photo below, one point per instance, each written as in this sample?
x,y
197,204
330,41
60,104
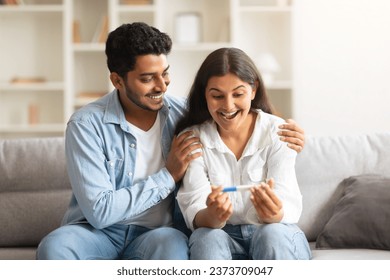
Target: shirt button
x,y
130,174
132,145
112,164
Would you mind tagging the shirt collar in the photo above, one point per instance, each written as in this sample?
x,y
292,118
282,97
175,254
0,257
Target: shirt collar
x,y
114,112
260,138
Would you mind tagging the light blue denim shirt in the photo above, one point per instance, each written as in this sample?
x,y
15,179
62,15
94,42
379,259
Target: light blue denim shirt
x,y
101,157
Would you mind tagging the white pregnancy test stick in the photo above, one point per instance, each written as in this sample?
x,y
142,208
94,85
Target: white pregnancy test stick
x,y
240,188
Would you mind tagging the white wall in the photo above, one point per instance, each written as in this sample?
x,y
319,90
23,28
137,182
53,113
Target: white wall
x,y
342,66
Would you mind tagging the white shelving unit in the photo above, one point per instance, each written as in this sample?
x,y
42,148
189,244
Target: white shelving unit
x,y
58,40
32,48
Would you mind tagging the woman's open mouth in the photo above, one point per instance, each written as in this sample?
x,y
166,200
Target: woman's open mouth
x,y
229,115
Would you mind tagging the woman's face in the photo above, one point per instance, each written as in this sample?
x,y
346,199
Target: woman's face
x,y
229,101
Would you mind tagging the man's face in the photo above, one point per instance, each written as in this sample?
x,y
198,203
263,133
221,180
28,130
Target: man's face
x,y
145,86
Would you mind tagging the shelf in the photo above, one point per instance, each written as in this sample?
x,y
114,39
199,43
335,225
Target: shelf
x,y
82,101
56,40
31,8
200,46
136,8
89,47
45,86
261,9
36,128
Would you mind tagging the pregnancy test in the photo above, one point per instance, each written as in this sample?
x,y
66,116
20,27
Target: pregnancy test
x,y
240,188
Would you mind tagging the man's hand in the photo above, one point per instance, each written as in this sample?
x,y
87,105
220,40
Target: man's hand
x,y
293,134
182,153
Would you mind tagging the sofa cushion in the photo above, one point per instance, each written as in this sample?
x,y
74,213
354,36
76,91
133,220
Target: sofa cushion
x,y
325,162
361,217
18,253
32,164
28,216
347,254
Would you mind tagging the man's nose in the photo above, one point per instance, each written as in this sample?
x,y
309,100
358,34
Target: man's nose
x,y
161,85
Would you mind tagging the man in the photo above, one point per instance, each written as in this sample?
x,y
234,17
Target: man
x,y
124,161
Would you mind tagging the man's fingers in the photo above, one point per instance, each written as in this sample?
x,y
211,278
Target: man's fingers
x,y
292,125
184,136
296,148
291,136
294,143
192,149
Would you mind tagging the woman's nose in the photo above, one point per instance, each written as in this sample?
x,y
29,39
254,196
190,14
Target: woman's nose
x,y
228,103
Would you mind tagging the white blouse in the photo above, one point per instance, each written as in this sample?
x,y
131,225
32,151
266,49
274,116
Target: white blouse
x,y
265,156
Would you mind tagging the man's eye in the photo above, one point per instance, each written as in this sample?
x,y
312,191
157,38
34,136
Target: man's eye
x,y
146,80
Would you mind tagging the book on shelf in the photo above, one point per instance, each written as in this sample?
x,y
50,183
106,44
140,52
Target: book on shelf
x,y
86,97
101,31
76,32
33,114
90,94
27,80
11,2
136,2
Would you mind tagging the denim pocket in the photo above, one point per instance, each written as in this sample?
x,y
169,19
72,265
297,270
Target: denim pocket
x,y
114,167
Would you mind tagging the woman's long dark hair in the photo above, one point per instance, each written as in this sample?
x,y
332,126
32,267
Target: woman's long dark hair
x,y
219,63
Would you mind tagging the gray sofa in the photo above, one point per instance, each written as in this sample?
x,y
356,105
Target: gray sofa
x,y
35,190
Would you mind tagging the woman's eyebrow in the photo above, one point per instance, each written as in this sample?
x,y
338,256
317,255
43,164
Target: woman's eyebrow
x,y
216,89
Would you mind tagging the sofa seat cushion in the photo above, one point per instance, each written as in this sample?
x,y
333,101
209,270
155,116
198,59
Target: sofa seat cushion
x,y
22,253
348,254
29,216
361,217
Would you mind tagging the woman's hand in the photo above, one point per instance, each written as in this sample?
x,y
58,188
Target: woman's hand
x,y
293,134
268,206
218,211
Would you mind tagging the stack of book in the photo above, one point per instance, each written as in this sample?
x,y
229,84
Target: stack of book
x,y
11,2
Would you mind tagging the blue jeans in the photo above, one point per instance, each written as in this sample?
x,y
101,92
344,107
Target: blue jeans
x,y
259,242
128,242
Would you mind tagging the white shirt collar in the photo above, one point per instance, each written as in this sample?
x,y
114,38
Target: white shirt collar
x,y
260,138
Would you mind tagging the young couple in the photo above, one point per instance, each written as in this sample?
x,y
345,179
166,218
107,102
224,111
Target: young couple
x,y
131,153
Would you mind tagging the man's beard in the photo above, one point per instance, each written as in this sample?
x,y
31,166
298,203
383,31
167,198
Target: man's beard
x,y
137,102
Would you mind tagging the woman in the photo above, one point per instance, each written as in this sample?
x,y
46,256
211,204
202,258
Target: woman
x,y
230,112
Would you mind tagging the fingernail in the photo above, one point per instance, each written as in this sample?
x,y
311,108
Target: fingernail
x,y
282,138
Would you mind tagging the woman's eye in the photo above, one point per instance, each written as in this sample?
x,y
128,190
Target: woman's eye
x,y
238,94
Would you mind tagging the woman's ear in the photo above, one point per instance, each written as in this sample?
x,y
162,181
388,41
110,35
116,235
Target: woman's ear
x,y
116,80
254,89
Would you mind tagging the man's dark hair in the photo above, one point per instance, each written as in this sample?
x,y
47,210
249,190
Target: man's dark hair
x,y
130,40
